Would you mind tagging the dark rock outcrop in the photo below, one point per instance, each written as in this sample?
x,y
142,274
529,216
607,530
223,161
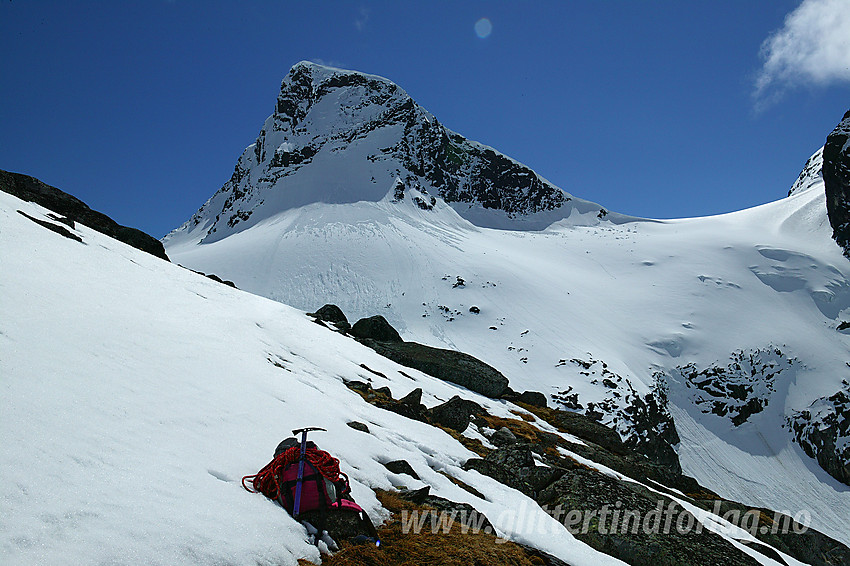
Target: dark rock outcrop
x,y
836,180
218,279
783,533
214,277
375,328
464,512
73,209
811,174
341,525
503,437
456,413
383,399
334,315
561,476
515,467
533,398
448,365
414,398
627,530
642,419
603,445
740,387
509,395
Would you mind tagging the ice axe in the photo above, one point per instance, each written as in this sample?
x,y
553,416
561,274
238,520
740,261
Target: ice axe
x,y
303,432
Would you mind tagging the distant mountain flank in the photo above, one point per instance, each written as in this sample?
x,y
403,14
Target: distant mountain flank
x,y
74,210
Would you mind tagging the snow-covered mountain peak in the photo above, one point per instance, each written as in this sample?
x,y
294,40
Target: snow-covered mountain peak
x,y
340,137
330,101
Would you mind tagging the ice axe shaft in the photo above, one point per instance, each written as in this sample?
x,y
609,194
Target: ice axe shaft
x,y
303,432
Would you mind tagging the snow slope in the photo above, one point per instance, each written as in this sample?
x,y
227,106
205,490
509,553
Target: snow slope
x,y
649,299
136,394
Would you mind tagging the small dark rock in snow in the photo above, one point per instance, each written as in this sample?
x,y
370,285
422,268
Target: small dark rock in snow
x,y
62,231
358,426
401,467
218,279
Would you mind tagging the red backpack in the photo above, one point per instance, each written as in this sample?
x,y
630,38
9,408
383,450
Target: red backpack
x,y
323,486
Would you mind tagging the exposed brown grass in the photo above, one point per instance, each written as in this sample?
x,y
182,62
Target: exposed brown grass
x,y
463,485
472,444
704,495
426,548
544,413
524,416
523,430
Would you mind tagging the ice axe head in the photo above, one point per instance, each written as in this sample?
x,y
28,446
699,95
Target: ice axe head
x,y
308,429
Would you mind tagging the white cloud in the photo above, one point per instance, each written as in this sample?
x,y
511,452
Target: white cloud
x,y
362,18
813,47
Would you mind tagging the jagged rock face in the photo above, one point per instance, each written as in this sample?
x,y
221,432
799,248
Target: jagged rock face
x,y
823,431
341,136
643,421
836,178
741,388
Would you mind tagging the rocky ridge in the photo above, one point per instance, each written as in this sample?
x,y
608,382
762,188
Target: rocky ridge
x,y
836,179
609,496
74,210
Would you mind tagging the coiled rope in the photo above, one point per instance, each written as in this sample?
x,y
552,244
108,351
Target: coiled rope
x,y
266,480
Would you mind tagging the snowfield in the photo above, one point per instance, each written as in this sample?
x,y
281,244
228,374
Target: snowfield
x,y
646,298
136,394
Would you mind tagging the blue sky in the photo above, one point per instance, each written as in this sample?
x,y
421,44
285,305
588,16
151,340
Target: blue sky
x,y
659,109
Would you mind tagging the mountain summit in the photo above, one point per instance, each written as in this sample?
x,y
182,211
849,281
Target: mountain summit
x,y
341,136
